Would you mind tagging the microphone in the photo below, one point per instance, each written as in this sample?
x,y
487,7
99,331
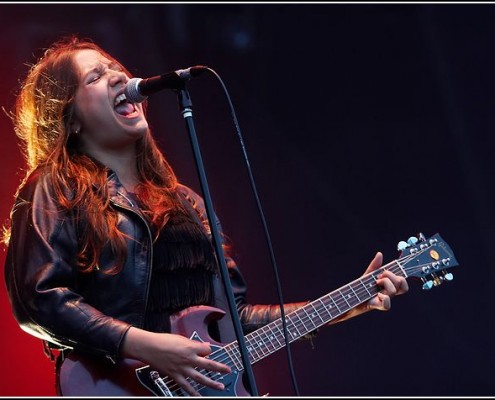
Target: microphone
x,y
137,90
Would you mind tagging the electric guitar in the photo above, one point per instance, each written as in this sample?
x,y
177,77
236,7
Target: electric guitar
x,y
425,259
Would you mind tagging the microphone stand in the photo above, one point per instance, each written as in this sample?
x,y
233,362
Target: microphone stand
x,y
185,105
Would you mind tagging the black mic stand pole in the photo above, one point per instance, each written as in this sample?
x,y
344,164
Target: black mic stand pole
x,y
185,105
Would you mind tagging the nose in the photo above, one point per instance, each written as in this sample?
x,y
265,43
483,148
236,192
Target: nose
x,y
118,77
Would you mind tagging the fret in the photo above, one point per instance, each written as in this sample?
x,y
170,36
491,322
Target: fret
x,y
358,290
372,283
233,356
272,344
355,294
325,308
259,342
267,339
310,319
287,319
280,330
335,304
233,353
315,312
251,347
300,319
401,269
274,335
348,296
222,354
365,287
341,295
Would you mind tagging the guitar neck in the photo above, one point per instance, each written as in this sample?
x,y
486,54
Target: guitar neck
x,y
270,338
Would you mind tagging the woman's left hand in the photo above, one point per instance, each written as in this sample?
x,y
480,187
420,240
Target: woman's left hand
x,y
391,284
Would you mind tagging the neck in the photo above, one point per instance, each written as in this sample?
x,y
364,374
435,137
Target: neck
x,y
122,162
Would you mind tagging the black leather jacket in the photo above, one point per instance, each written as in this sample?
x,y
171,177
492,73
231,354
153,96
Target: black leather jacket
x,y
92,312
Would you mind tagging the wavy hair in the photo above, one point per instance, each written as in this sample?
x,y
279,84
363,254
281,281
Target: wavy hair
x,y
42,119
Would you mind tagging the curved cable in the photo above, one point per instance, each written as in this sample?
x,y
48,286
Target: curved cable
x,y
265,228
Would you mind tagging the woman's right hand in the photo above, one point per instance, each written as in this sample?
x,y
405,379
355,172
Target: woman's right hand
x,y
174,356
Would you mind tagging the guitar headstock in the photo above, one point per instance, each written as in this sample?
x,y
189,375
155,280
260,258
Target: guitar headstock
x,y
427,259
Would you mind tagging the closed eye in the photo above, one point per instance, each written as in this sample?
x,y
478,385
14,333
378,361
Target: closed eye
x,y
94,78
94,75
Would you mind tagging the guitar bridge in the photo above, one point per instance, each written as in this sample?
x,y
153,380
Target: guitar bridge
x,y
152,381
155,376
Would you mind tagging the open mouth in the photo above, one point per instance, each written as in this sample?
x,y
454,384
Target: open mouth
x,y
123,107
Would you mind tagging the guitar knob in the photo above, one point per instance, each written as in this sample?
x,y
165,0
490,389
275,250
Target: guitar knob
x,y
412,240
428,285
449,277
401,246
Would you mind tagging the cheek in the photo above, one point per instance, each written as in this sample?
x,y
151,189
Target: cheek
x,y
92,97
91,109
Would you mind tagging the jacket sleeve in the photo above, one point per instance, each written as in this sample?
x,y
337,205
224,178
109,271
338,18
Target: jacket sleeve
x,y
40,274
252,316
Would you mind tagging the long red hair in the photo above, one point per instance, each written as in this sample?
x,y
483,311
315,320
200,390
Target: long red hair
x,y
42,119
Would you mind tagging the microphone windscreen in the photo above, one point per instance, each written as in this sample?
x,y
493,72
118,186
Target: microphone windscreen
x,y
132,91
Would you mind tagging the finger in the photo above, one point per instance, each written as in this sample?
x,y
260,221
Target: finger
x,y
184,384
375,263
206,381
387,285
380,302
214,366
399,282
202,349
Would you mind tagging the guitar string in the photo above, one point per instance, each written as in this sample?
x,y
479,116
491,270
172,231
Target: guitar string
x,y
228,360
370,277
225,358
173,386
214,356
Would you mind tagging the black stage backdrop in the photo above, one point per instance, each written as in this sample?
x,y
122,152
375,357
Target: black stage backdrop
x,y
365,124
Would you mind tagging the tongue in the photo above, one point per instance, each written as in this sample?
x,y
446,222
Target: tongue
x,y
125,108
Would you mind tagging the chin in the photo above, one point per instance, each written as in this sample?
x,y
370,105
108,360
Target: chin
x,y
139,130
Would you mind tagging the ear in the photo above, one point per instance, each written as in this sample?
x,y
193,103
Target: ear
x,y
75,127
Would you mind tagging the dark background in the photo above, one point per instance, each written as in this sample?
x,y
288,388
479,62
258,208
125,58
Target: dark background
x,y
365,124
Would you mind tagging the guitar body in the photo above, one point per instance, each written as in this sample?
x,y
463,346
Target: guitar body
x,y
82,375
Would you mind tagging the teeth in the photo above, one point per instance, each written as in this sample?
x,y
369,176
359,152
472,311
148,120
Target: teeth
x,y
119,99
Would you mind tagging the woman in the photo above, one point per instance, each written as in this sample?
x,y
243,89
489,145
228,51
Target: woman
x,y
102,212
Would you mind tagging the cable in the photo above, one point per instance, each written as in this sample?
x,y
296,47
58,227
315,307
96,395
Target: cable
x,y
265,228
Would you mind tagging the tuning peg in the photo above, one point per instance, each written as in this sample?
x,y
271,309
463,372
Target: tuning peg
x,y
412,240
421,237
401,246
448,276
427,285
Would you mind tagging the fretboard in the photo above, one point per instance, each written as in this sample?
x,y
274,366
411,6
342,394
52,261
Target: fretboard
x,y
270,338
